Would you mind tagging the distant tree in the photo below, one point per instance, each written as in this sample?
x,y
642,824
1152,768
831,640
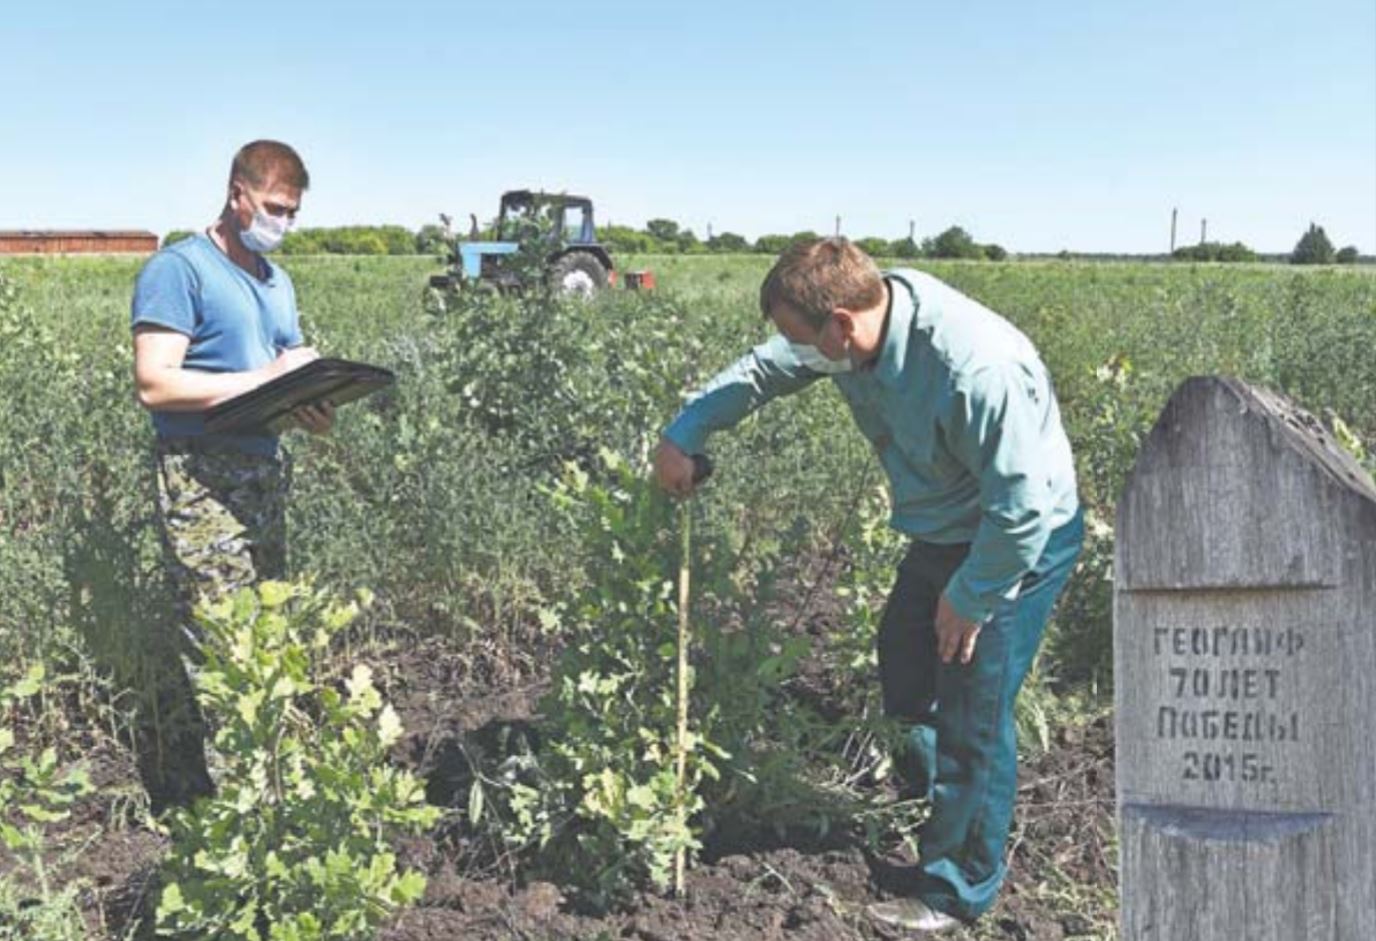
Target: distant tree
x,y
351,240
728,242
432,240
367,243
955,242
302,242
1313,248
1236,252
1347,255
905,248
398,239
665,230
874,247
176,235
774,244
621,238
995,252
1215,251
687,242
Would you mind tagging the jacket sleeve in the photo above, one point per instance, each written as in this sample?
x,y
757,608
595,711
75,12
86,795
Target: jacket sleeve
x,y
995,428
772,369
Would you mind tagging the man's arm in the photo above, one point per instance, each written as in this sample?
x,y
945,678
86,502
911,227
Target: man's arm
x,y
997,431
774,368
164,385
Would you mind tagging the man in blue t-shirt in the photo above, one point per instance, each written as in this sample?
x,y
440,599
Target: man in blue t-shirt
x,y
213,318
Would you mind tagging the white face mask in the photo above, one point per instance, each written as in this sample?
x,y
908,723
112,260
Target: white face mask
x,y
265,232
816,360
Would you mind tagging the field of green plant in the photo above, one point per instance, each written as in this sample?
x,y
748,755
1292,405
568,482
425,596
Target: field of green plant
x,y
491,512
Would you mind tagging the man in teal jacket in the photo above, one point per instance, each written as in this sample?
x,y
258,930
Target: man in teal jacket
x,y
961,412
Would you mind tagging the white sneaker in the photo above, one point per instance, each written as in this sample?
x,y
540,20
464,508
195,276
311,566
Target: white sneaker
x,y
910,914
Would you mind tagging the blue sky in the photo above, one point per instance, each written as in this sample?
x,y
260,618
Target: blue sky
x,y
1037,125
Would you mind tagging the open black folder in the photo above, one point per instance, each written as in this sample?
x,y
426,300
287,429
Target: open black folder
x,y
269,407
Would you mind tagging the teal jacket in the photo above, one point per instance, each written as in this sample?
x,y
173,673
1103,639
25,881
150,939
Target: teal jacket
x,y
961,412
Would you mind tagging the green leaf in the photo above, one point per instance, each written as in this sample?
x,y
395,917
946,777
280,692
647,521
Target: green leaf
x,y
475,802
40,814
31,683
408,888
641,796
247,706
275,867
361,681
171,902
388,727
245,924
274,594
12,836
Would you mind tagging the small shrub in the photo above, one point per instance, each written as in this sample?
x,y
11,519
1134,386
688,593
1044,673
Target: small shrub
x,y
604,805
599,803
34,793
294,845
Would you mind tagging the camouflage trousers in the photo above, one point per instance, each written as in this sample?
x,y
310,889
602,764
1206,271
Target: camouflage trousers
x,y
222,515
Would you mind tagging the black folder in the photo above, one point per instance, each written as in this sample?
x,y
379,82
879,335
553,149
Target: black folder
x,y
269,406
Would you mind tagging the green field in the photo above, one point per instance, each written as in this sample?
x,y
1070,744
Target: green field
x,y
443,499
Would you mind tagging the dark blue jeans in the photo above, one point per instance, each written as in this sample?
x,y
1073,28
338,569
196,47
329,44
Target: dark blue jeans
x,y
962,744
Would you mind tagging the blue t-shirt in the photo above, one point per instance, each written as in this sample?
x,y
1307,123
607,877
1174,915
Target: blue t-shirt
x,y
235,322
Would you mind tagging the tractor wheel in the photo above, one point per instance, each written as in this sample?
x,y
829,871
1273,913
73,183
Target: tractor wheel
x,y
577,274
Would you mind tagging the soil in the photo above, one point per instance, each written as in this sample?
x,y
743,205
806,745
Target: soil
x,y
1060,884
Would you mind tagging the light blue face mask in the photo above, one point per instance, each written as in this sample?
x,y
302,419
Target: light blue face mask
x,y
265,232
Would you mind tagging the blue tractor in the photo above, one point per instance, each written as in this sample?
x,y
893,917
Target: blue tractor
x,y
539,236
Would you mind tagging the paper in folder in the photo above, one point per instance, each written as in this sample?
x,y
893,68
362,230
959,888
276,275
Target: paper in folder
x,y
269,406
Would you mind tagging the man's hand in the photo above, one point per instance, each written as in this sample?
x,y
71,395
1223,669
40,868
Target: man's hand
x,y
673,470
954,634
292,358
317,419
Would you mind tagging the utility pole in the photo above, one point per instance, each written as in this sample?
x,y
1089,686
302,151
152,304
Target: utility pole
x,y
838,226
1174,213
912,228
1203,231
709,231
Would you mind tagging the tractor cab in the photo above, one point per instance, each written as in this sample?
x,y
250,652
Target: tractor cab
x,y
565,218
557,228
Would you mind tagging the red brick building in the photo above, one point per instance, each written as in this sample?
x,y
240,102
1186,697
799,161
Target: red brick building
x,y
72,241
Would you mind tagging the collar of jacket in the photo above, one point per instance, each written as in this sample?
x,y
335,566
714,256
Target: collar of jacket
x,y
903,305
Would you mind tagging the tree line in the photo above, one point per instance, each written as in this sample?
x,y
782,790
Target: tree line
x,y
665,236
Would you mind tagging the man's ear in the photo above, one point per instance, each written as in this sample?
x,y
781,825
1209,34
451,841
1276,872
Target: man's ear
x,y
845,319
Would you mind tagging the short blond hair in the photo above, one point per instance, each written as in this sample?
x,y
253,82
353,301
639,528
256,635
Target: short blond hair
x,y
262,160
816,277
